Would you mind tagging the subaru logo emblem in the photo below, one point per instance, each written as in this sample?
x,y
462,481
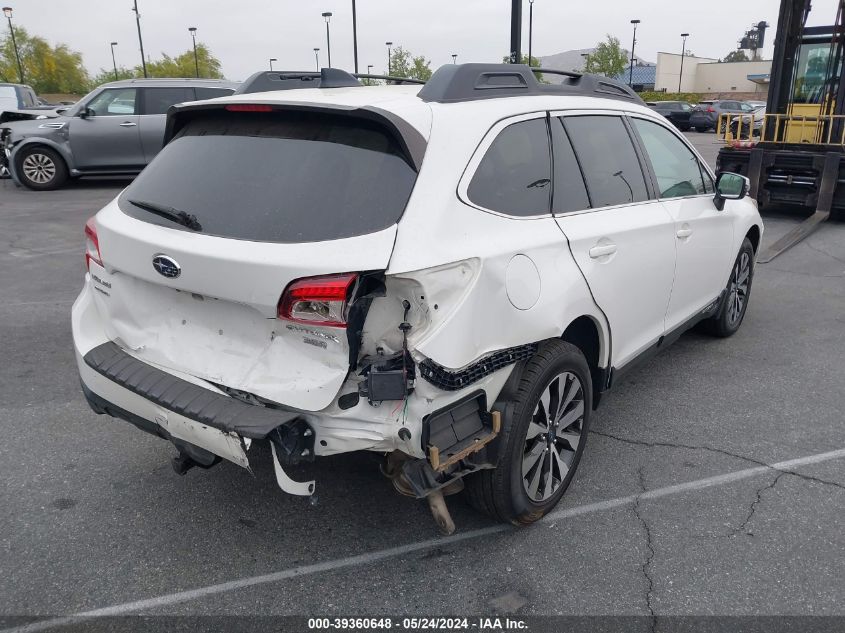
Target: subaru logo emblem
x,y
166,266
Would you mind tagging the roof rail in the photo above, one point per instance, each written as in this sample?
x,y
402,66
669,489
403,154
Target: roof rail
x,y
266,81
453,83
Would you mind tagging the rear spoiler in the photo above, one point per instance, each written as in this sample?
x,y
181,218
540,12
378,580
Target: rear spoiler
x,y
413,143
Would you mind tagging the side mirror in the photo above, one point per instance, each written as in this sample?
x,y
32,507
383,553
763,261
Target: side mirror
x,y
730,186
86,112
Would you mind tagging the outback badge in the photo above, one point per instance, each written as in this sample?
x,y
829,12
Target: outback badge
x,y
166,266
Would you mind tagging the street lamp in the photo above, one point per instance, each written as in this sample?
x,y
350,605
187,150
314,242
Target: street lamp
x,y
113,61
272,59
193,31
140,39
683,54
328,16
388,44
633,46
317,58
7,11
355,35
530,29
454,58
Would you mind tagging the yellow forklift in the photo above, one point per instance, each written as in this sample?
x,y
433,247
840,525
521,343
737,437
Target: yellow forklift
x,y
793,154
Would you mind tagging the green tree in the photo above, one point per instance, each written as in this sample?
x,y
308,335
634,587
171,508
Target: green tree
x,y
107,74
736,56
607,58
183,65
48,69
404,64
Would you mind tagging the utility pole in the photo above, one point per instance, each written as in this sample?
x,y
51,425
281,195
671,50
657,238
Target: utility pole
x,y
193,31
530,29
516,31
113,60
140,39
633,46
355,35
7,11
683,54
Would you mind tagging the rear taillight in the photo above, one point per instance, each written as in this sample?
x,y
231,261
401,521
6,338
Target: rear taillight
x,y
711,109
318,300
92,244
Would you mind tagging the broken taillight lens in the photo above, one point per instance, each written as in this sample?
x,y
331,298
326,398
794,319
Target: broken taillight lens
x,y
92,244
318,300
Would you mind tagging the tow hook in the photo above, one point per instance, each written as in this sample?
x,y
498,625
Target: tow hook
x,y
393,470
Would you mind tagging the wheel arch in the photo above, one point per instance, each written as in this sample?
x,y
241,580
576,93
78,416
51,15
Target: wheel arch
x,y
753,236
587,334
28,143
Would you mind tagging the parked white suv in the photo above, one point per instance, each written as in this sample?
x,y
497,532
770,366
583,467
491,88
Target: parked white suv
x,y
450,275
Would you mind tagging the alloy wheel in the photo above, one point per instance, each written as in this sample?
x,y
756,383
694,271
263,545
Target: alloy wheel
x,y
39,168
738,292
553,437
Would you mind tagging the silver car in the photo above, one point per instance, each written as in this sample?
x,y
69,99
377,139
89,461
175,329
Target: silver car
x,y
115,130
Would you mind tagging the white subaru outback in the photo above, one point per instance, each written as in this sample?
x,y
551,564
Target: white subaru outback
x,y
448,274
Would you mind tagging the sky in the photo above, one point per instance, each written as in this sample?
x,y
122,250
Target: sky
x,y
244,34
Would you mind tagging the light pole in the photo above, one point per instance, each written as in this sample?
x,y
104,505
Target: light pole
x,y
454,58
369,72
140,39
586,57
388,44
272,59
683,54
113,60
317,58
633,46
530,29
193,31
328,16
355,35
7,11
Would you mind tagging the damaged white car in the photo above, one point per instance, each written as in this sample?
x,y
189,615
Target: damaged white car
x,y
448,274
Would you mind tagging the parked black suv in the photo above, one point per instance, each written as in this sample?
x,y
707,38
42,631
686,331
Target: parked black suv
x,y
678,112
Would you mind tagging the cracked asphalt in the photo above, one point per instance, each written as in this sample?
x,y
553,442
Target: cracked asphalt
x,y
92,514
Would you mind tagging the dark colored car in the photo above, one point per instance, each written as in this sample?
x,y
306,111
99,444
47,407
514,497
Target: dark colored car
x,y
705,116
678,112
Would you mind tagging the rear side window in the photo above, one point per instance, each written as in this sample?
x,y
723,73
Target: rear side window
x,y
514,177
608,160
159,100
277,177
676,168
212,93
570,193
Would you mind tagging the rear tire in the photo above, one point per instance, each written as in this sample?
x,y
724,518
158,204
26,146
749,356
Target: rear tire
x,y
538,453
40,168
738,292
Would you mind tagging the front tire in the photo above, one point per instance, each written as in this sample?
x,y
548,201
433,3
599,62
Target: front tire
x,y
40,168
738,292
541,445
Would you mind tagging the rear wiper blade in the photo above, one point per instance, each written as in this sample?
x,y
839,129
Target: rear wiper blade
x,y
180,217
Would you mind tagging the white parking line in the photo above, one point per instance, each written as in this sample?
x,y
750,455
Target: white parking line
x,y
392,552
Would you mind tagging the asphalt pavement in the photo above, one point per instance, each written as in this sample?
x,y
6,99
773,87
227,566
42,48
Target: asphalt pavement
x,y
713,482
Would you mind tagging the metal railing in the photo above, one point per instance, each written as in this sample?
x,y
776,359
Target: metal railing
x,y
742,130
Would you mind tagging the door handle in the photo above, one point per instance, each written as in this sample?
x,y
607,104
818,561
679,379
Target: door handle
x,y
128,124
603,250
683,233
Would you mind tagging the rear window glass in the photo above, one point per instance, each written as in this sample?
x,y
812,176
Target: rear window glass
x,y
277,177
